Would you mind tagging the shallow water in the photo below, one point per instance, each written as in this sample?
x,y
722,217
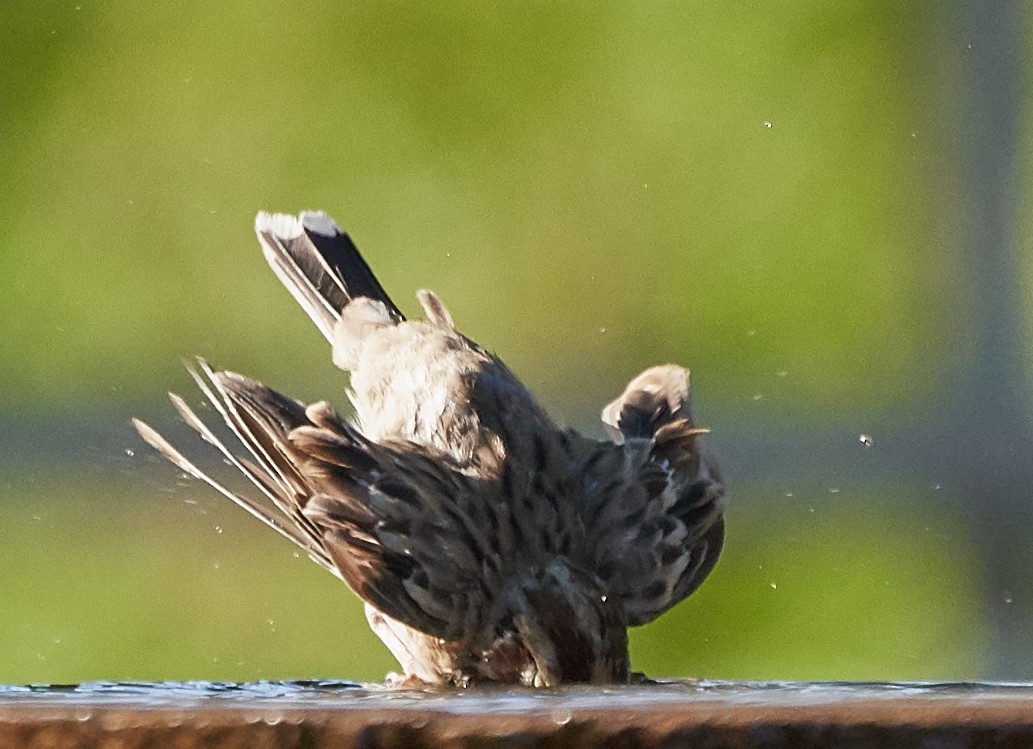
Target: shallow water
x,y
497,700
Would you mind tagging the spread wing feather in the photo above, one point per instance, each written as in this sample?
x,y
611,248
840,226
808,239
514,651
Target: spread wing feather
x,y
398,524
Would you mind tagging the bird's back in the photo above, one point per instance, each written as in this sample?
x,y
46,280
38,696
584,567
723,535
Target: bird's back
x,y
421,381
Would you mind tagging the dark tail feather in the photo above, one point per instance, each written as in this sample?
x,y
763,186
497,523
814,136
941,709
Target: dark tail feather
x,y
319,265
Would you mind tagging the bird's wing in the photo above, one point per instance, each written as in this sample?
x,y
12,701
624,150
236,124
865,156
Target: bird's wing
x,y
395,521
653,534
401,524
657,520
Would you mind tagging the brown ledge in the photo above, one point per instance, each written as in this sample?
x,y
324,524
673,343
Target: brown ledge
x,y
673,714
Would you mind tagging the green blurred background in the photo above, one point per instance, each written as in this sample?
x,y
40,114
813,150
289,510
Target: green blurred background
x,y
815,206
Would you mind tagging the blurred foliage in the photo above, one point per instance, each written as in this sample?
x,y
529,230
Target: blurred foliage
x,y
839,587
591,186
105,582
745,188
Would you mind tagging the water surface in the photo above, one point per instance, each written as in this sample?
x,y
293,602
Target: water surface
x,y
322,694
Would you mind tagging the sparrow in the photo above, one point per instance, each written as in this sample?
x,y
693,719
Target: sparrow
x,y
488,543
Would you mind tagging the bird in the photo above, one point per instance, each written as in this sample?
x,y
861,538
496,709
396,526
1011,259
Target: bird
x,y
488,543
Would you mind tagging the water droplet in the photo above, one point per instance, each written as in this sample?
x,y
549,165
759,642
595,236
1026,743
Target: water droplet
x,y
866,440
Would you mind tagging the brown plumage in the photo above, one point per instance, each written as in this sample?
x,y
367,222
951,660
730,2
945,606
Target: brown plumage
x,y
488,543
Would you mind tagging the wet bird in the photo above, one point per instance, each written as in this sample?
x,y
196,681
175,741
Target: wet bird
x,y
488,543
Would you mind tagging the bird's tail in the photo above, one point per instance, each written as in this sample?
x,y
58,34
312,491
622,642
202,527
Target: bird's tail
x,y
319,265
